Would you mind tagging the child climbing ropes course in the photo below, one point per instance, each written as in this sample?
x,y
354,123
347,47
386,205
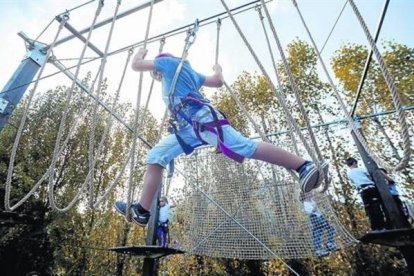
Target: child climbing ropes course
x,y
197,122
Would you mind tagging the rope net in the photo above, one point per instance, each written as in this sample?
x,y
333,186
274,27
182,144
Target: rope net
x,y
264,204
247,211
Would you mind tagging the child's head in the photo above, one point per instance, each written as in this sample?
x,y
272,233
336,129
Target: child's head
x,y
163,201
155,74
351,162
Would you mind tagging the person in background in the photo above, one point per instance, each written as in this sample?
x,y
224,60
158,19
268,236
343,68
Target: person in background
x,y
362,181
319,226
162,230
392,187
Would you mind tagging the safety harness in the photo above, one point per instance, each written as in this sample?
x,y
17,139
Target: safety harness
x,y
196,103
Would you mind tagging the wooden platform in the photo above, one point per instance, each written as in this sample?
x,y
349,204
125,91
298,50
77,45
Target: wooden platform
x,y
147,251
12,218
394,237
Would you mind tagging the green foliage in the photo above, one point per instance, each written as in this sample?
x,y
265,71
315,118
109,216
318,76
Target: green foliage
x,y
75,243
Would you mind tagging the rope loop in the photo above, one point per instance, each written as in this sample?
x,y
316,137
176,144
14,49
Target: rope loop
x,y
162,43
258,8
191,35
218,23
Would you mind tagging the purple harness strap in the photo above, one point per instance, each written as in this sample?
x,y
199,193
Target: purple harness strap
x,y
213,126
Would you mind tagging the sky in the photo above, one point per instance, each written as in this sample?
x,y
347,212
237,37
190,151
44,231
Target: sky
x,y
32,17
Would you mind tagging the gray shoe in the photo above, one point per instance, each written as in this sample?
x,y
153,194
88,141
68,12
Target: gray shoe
x,y
137,217
310,177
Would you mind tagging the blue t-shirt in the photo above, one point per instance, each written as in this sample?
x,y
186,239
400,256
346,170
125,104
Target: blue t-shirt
x,y
188,80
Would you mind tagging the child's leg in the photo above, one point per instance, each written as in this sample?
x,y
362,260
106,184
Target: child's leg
x,y
158,158
277,156
152,181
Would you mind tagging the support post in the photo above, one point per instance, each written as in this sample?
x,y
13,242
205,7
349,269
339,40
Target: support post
x,y
15,88
149,267
394,218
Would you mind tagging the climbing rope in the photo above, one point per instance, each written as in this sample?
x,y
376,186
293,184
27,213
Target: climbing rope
x,y
62,124
70,134
279,95
261,17
22,123
390,83
160,49
189,40
94,117
295,89
107,129
136,126
393,89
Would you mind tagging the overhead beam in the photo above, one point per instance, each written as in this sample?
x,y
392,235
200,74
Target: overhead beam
x,y
71,29
107,21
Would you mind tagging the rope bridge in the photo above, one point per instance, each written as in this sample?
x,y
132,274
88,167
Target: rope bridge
x,y
249,211
257,211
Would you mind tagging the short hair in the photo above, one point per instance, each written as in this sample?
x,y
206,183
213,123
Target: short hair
x,y
351,161
164,198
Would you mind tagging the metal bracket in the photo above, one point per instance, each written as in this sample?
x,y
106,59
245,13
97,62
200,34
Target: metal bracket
x,y
35,50
37,54
3,105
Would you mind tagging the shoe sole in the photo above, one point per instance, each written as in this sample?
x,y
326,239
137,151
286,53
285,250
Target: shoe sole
x,y
132,219
313,177
135,221
119,210
138,223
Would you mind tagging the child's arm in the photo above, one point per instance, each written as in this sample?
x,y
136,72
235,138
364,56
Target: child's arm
x,y
140,64
215,80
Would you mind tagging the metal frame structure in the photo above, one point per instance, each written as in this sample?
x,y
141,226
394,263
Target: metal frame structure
x,y
36,57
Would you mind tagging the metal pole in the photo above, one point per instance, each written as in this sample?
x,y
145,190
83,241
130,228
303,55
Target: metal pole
x,y
71,29
20,80
368,61
149,267
394,218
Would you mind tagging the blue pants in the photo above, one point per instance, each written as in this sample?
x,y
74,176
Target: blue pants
x,y
161,233
319,224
